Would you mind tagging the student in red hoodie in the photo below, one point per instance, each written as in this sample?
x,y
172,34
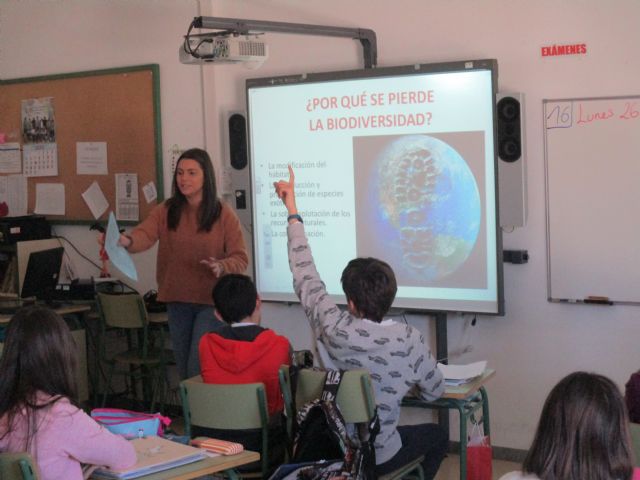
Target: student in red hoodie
x,y
244,352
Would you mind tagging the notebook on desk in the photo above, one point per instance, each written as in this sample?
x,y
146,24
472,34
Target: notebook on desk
x,y
154,455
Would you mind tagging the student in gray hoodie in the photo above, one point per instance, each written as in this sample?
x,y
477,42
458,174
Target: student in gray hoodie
x,y
394,353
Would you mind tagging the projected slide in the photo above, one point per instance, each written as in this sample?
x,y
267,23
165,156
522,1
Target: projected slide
x,y
418,206
398,167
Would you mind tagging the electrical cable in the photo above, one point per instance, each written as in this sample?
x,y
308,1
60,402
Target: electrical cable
x,y
208,39
82,255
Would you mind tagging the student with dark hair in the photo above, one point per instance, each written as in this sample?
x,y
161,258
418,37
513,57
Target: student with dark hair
x,y
632,397
394,353
583,433
39,413
200,240
244,352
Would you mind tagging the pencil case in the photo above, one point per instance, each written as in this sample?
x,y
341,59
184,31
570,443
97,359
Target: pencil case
x,y
130,424
217,446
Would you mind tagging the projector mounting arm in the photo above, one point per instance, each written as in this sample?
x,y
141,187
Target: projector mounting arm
x,y
241,26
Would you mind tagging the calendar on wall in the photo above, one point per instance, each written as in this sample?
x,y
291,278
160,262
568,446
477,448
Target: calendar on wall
x,y
40,160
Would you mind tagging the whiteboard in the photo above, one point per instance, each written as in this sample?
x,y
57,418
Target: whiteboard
x,y
592,165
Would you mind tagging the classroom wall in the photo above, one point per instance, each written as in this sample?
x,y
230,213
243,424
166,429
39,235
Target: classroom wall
x,y
536,342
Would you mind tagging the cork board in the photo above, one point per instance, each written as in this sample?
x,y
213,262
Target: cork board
x,y
120,107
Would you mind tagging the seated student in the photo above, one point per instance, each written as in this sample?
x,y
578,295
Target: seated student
x,y
242,351
583,434
632,397
38,406
394,353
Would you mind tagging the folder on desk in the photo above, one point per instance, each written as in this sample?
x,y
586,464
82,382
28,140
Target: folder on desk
x,y
461,374
154,455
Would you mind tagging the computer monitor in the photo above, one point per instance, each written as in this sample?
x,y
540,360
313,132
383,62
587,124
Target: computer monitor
x,y
42,274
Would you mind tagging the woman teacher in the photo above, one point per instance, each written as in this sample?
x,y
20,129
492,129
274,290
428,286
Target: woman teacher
x,y
200,240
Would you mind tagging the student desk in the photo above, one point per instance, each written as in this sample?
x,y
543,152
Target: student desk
x,y
467,399
209,465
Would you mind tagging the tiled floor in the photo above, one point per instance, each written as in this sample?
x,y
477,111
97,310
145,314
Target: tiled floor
x,y
450,468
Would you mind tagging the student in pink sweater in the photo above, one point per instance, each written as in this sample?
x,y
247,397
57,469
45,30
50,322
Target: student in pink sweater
x,y
38,409
199,240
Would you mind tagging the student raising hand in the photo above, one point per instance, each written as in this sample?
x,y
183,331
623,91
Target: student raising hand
x,y
286,192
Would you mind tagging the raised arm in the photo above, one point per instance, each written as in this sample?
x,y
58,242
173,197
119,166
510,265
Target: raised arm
x,y
322,312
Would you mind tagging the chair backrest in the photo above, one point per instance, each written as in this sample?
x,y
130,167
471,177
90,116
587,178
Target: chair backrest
x,y
355,395
228,407
122,310
17,466
634,430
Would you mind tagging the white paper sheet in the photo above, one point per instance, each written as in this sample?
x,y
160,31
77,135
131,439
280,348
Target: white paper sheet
x,y
462,373
91,158
13,191
127,200
150,192
50,198
10,158
118,255
40,160
95,200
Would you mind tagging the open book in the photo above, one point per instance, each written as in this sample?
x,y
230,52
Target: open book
x,y
154,455
461,374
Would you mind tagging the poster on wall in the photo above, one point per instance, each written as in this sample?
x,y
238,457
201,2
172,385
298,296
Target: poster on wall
x,y
40,155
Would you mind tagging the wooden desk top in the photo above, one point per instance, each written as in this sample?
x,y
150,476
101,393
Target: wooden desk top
x,y
465,390
206,466
64,310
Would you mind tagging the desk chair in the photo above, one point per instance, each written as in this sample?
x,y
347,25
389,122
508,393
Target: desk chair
x,y
140,361
17,466
228,407
355,400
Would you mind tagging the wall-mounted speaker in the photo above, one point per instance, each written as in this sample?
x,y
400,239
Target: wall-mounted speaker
x,y
237,141
512,171
237,173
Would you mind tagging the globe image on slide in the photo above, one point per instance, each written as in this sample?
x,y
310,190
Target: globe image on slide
x,y
428,207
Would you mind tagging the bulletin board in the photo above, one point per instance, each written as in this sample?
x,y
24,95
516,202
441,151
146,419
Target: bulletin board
x,y
120,107
592,159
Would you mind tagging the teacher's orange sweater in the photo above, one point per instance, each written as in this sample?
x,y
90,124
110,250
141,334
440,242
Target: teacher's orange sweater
x,y
180,275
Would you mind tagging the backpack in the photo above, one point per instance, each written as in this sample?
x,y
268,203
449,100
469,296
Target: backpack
x,y
322,437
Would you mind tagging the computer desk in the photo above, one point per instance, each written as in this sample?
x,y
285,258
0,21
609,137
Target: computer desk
x,y
467,399
64,310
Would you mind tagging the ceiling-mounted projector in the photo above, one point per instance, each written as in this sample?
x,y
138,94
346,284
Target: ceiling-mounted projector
x,y
203,49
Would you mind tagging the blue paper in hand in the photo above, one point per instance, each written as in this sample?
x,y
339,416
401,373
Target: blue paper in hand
x,y
118,255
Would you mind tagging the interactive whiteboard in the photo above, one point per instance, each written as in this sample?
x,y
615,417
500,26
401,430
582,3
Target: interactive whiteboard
x,y
396,163
592,161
